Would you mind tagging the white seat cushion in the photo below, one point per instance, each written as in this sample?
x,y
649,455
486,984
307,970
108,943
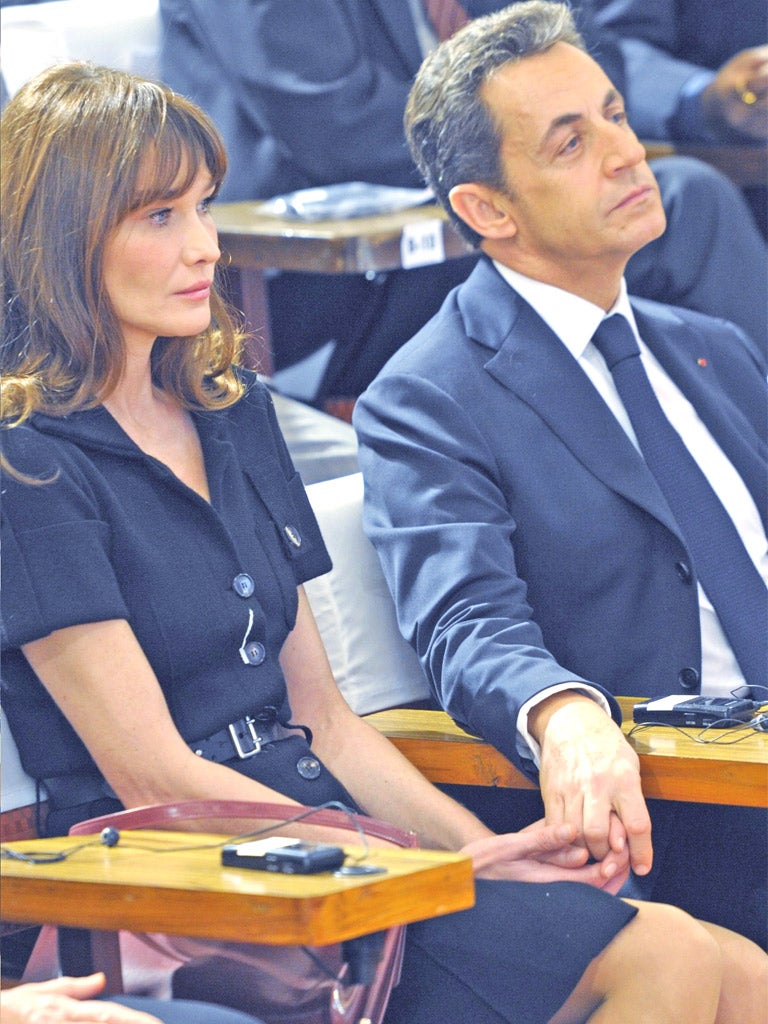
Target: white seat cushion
x,y
18,789
373,665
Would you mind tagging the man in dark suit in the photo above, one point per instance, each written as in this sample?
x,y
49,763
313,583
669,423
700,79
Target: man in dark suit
x,y
310,94
536,565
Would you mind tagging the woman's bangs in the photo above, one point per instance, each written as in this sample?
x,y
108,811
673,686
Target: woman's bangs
x,y
166,172
174,158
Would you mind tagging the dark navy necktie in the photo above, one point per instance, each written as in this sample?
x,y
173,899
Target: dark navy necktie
x,y
720,560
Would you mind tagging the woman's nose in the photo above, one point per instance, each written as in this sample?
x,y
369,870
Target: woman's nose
x,y
202,243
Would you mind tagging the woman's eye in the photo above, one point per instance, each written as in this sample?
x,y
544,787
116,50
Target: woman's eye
x,y
160,217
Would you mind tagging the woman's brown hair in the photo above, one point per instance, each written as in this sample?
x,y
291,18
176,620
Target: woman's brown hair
x,y
81,147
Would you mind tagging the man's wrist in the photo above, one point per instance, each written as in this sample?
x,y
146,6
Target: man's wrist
x,y
540,715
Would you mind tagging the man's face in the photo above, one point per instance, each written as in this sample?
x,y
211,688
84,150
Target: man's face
x,y
582,196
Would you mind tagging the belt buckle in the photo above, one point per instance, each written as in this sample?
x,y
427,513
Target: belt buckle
x,y
253,736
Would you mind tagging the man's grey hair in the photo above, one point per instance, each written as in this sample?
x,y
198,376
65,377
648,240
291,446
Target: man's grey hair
x,y
451,132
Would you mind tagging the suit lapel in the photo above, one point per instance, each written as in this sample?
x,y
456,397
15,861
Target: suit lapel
x,y
533,363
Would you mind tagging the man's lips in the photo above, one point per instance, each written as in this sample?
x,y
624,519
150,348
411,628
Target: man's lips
x,y
636,195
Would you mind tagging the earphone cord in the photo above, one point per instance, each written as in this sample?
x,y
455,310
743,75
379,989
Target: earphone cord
x,y
110,837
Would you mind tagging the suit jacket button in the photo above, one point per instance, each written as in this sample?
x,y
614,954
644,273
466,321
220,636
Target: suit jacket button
x,y
683,570
255,652
243,585
308,767
689,678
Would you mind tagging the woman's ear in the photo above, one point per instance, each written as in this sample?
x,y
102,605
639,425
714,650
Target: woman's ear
x,y
484,209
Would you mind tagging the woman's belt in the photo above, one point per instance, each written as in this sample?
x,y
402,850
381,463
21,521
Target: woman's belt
x,y
243,738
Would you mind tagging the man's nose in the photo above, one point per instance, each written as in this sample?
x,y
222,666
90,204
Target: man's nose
x,y
623,148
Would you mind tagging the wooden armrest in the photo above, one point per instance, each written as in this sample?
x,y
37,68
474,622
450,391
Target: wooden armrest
x,y
673,764
443,752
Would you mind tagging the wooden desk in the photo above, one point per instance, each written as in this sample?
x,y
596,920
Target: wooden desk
x,y
355,245
673,766
186,891
257,241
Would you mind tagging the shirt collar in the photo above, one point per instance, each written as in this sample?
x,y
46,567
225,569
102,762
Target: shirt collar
x,y
97,428
574,320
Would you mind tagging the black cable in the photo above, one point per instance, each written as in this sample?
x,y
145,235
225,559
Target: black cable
x,y
56,856
331,805
735,725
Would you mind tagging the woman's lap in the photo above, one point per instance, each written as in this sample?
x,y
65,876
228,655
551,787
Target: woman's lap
x,y
514,957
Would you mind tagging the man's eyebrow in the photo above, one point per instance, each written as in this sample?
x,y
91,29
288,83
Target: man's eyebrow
x,y
555,126
568,119
612,96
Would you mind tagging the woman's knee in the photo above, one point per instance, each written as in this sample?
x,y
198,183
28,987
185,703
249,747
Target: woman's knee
x,y
664,966
670,941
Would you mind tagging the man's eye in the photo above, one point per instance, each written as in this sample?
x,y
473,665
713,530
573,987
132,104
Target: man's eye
x,y
571,144
619,117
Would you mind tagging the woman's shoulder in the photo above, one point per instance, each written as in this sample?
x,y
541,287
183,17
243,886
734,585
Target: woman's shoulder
x,y
253,427
30,451
255,409
256,393
35,456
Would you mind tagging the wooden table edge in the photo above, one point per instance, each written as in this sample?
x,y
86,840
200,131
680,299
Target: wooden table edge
x,y
37,894
446,754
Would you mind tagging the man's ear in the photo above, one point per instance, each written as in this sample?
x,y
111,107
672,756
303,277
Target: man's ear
x,y
484,209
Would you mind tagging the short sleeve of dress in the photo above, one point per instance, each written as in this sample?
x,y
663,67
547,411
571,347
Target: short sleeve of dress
x,y
56,569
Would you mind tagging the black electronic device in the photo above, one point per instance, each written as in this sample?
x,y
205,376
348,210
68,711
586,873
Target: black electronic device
x,y
681,710
287,856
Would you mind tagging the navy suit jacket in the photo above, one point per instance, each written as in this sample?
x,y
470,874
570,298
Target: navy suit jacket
x,y
523,538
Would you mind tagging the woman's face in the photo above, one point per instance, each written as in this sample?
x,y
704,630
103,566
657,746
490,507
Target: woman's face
x,y
159,263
